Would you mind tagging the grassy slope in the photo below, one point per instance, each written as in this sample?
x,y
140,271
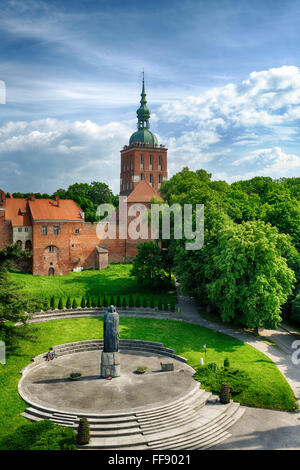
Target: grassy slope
x,y
114,280
268,387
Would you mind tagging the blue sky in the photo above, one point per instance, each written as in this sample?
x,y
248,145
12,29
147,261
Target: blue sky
x,y
222,82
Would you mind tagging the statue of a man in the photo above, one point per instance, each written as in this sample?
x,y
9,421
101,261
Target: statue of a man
x,y
111,330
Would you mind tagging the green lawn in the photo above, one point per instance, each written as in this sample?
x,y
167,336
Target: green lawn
x,y
113,280
268,388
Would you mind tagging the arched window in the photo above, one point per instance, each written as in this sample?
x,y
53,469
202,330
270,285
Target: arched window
x,y
19,243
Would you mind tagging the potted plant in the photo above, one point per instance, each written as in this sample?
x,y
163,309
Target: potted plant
x,y
141,369
75,375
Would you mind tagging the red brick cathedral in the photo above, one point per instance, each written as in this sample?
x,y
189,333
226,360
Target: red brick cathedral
x,y
55,230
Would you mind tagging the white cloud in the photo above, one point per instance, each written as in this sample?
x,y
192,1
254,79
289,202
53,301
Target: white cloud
x,y
60,152
271,161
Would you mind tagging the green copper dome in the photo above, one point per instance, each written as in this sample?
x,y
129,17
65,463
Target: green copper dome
x,y
144,135
143,114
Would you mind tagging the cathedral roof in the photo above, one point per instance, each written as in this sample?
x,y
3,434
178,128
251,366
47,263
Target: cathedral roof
x,y
143,193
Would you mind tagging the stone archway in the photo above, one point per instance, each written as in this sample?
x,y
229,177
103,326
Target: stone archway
x,y
51,272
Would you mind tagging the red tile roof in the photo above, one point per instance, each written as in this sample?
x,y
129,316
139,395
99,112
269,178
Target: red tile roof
x,y
49,209
143,192
16,210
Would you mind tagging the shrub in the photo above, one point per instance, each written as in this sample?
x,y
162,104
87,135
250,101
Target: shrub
x,y
130,302
165,305
52,303
145,303
105,303
159,304
118,301
225,394
88,302
152,304
93,302
138,302
124,302
83,432
42,435
212,377
68,303
99,304
46,305
82,304
213,366
226,362
74,304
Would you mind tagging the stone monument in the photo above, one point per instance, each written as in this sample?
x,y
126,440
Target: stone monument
x,y
110,357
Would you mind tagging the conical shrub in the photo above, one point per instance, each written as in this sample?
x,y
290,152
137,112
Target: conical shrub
x,y
130,302
124,302
83,432
74,304
225,394
46,305
52,303
60,304
145,303
88,302
118,301
82,304
68,303
99,303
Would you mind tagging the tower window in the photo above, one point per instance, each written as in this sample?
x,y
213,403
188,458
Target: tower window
x,y
51,249
56,230
142,162
159,162
44,230
20,229
142,176
150,178
150,162
159,179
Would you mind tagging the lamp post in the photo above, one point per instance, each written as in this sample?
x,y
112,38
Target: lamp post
x,y
204,347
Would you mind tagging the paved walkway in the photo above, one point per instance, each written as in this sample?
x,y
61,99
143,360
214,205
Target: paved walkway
x,y
260,429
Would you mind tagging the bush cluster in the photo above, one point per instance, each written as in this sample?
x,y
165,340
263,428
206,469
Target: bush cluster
x,y
212,376
42,435
119,302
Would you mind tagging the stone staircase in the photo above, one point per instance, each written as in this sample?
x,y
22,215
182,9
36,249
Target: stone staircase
x,y
124,345
196,420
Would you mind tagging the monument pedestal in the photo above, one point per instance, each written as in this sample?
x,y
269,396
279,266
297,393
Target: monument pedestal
x,y
110,364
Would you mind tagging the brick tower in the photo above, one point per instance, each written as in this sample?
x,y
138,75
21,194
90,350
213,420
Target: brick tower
x,y
143,158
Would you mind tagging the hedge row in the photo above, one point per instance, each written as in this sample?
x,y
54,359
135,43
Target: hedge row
x,y
105,301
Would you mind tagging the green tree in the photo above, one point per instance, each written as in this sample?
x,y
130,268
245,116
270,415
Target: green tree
x,y
13,304
248,279
149,265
